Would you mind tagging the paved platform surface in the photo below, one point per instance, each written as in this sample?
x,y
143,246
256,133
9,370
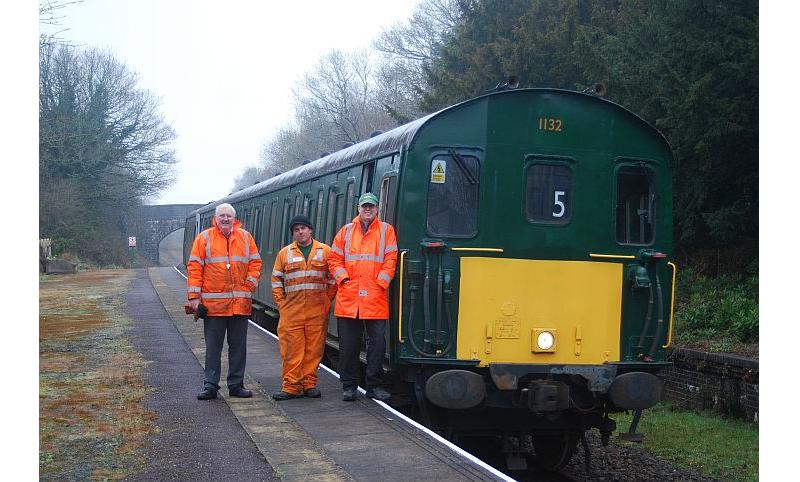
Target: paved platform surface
x,y
196,441
260,439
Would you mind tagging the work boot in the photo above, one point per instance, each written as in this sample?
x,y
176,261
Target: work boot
x,y
240,392
313,392
349,395
281,396
378,393
207,394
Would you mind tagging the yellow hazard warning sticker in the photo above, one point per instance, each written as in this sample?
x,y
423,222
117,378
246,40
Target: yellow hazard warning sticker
x,y
438,171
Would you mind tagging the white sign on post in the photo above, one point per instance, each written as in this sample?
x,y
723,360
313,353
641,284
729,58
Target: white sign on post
x,y
131,241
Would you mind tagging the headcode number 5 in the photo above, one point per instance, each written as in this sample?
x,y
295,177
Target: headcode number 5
x,y
558,202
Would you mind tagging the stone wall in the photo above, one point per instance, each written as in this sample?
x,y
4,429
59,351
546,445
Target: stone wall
x,y
727,384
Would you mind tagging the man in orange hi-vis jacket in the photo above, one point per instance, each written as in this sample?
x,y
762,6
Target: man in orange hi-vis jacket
x,y
363,259
303,289
224,268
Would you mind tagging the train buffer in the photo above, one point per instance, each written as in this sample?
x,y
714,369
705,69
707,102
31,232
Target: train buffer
x,y
325,438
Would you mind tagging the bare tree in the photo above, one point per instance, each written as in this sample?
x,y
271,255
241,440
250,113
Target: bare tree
x,y
409,48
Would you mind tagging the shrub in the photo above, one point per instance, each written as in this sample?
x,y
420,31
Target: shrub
x,y
712,307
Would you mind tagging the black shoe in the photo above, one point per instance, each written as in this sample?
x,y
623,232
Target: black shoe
x,y
207,394
349,395
280,396
240,392
379,393
313,392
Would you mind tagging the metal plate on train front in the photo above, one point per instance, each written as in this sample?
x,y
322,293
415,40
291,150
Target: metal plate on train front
x,y
508,329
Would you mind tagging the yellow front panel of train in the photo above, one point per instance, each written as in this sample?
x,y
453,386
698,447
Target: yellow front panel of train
x,y
537,311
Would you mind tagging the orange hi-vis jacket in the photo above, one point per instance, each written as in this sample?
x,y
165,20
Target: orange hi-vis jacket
x,y
303,291
368,260
224,272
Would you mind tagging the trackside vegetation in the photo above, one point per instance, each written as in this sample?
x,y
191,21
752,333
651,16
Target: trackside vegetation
x,y
726,449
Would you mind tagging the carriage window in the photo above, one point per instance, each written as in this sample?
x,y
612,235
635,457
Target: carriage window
x,y
330,219
257,226
351,201
388,186
318,224
286,236
636,205
548,193
453,195
273,226
366,177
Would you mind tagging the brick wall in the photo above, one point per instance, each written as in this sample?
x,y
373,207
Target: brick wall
x,y
727,384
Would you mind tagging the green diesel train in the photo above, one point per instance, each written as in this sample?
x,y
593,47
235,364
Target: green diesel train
x,y
533,297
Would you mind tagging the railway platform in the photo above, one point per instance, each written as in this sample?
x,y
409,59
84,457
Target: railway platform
x,y
302,439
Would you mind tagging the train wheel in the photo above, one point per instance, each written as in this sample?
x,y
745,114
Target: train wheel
x,y
554,450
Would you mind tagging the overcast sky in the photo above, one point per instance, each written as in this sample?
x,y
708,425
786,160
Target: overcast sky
x,y
224,70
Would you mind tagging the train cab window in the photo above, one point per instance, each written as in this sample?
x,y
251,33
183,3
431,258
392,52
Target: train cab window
x,y
453,190
306,204
636,205
548,193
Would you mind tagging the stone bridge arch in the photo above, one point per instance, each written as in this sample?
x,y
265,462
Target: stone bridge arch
x,y
159,232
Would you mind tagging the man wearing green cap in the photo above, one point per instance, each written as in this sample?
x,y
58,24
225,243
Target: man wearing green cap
x,y
363,258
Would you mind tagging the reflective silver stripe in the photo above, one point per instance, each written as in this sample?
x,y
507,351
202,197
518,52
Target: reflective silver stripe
x,y
252,280
277,274
391,248
348,236
195,258
382,248
255,256
339,271
319,254
385,277
246,237
235,294
208,243
303,274
336,250
194,289
362,257
241,259
277,284
289,254
305,286
217,259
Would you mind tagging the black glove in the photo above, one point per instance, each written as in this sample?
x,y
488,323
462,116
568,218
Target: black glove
x,y
202,311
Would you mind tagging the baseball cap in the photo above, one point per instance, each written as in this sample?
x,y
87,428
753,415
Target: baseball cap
x,y
367,198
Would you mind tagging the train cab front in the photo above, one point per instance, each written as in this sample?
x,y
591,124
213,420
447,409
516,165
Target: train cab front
x,y
554,337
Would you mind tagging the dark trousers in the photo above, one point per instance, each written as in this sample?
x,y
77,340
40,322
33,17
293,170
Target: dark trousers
x,y
214,329
350,331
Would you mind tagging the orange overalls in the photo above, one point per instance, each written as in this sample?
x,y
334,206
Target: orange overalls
x,y
303,290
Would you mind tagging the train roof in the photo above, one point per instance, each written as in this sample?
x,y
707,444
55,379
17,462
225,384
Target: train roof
x,y
378,146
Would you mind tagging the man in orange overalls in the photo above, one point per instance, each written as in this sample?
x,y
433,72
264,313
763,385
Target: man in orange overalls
x,y
303,289
363,259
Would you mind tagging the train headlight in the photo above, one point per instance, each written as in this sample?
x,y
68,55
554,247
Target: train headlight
x,y
544,340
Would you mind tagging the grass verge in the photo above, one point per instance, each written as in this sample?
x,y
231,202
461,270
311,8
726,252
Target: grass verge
x,y
92,420
726,449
